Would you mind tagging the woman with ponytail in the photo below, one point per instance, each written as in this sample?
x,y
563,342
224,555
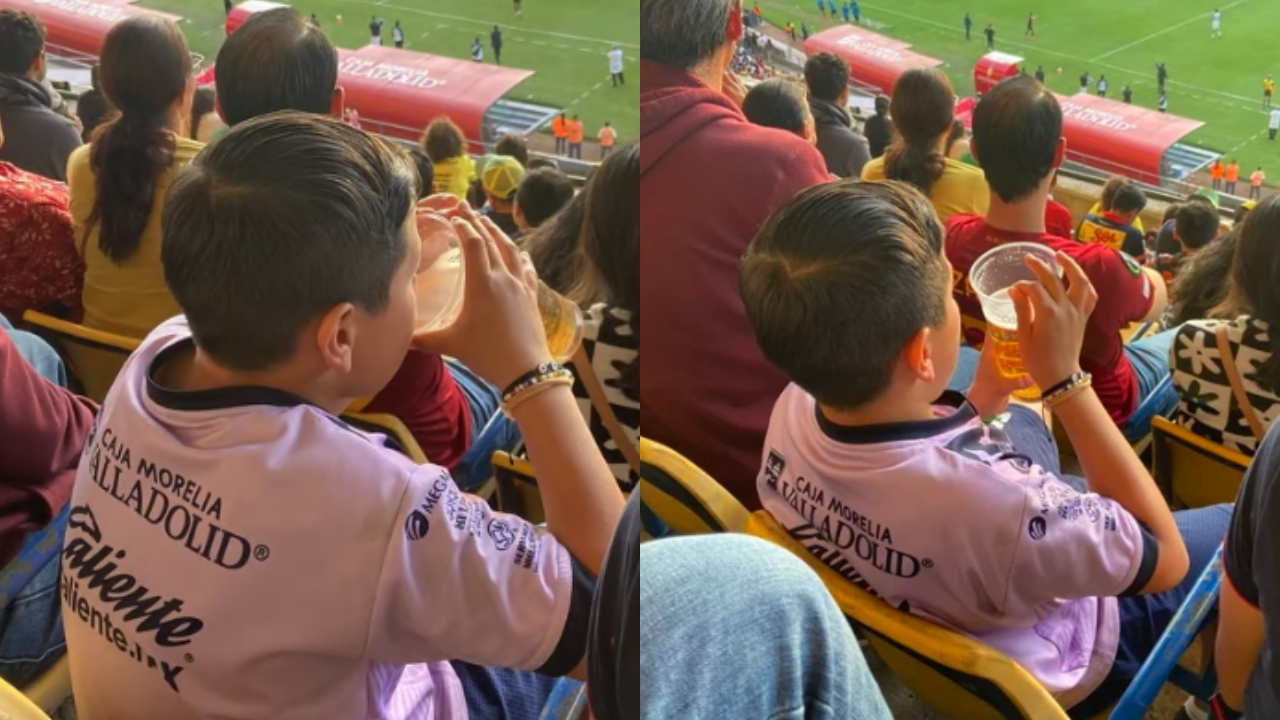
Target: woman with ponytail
x,y
118,182
1208,401
923,108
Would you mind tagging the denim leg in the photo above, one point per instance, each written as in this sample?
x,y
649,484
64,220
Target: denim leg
x,y
734,627
1143,618
1150,360
966,369
38,354
502,693
1031,437
491,430
31,636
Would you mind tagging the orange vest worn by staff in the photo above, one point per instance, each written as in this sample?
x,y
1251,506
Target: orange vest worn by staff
x,y
607,136
575,132
1233,172
1215,171
559,127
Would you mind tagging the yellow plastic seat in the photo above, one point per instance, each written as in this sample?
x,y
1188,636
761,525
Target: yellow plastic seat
x,y
960,677
95,357
1192,471
683,497
16,706
389,425
516,487
52,688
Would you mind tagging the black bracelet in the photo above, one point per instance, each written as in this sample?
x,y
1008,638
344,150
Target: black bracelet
x,y
1077,377
533,374
1219,710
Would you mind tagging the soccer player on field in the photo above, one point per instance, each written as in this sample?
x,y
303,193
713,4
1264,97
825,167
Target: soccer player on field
x,y
1215,30
991,36
516,4
1268,89
1030,34
1162,74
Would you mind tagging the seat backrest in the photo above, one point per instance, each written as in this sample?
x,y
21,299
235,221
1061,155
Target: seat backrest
x,y
1192,471
95,356
398,436
957,675
517,487
683,497
15,706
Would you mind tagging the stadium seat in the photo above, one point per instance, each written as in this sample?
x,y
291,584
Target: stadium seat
x,y
52,688
1162,663
16,706
682,498
953,673
568,701
516,487
93,356
398,436
1192,471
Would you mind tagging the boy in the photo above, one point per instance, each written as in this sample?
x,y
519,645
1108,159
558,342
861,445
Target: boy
x,y
905,490
1195,225
1017,140
265,557
543,193
501,179
1114,228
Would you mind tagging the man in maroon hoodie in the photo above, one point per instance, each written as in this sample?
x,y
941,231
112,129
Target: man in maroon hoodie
x,y
708,180
43,429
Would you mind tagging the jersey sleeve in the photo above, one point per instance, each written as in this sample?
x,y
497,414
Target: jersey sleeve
x,y
1124,289
1076,545
460,582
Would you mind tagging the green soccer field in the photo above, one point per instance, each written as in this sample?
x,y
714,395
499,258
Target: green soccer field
x,y
1217,81
563,41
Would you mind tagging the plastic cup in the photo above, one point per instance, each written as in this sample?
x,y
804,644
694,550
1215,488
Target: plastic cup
x,y
991,277
439,288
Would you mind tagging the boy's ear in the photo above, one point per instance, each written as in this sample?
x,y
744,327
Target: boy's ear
x,y
1059,153
918,355
335,337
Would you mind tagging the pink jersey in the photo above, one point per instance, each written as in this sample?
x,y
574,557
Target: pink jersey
x,y
239,553
944,519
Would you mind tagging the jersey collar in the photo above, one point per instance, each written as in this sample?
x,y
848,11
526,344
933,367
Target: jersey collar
x,y
963,413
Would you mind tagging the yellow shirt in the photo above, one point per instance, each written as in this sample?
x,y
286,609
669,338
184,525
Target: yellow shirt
x,y
455,175
962,189
128,299
1137,222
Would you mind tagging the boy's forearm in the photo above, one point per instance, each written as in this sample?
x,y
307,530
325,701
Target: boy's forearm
x,y
579,493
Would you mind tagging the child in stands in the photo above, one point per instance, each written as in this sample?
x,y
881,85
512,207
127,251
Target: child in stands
x,y
266,559
908,492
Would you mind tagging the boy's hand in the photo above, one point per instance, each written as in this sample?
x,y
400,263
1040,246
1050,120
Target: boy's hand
x,y
990,392
498,333
1052,320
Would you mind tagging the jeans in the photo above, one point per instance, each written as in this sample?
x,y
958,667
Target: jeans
x,y
561,144
966,369
1143,618
31,636
1032,438
735,627
1150,360
491,430
38,354
502,693
575,150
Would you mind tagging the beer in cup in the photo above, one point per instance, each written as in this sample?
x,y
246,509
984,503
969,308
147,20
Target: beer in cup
x,y
991,277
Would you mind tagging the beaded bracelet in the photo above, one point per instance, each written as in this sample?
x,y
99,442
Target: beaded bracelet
x,y
529,387
531,377
521,398
1075,378
1075,388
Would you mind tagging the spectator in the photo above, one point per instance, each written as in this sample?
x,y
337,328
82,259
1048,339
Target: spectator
x,y
39,266
447,147
608,137
1200,291
1114,227
845,151
204,116
341,316
574,138
93,107
556,250
560,129
351,116
1195,226
542,194
1255,184
923,108
879,128
1208,402
426,171
1017,139
868,425
780,103
1106,202
501,178
44,429
277,61
706,388
40,140
1233,176
514,146
118,182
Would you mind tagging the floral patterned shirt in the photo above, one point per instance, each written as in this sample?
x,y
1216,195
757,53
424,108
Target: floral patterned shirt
x,y
612,344
39,266
1206,403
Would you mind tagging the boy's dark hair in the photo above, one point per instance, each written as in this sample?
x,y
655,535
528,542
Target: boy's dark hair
x,y
513,146
827,76
777,103
839,279
1129,198
277,60
443,140
21,41
282,219
426,171
1016,129
542,194
882,104
1197,225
